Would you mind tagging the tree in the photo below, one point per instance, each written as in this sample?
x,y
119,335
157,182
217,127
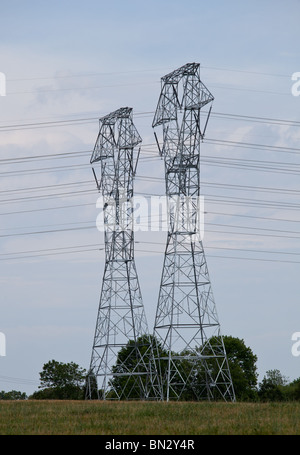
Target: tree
x,y
292,390
242,366
273,387
91,387
61,381
13,395
276,378
241,360
135,357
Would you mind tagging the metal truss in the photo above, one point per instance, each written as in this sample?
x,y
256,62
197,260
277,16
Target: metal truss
x,y
192,354
122,361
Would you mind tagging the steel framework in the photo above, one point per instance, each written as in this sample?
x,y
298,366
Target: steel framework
x,y
122,361
192,354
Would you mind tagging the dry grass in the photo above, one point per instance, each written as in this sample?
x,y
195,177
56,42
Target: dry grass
x,y
142,418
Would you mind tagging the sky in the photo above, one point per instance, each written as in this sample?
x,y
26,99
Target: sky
x,y
66,65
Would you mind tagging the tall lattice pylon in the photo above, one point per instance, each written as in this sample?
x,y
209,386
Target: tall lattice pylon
x,y
192,354
121,363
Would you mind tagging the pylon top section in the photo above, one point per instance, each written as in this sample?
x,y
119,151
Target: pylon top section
x,y
185,70
116,131
192,94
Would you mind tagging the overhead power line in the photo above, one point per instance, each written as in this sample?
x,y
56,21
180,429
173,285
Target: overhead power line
x,y
265,231
139,71
83,120
261,165
31,254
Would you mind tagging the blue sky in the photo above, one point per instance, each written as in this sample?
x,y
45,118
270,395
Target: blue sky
x,y
77,61
131,33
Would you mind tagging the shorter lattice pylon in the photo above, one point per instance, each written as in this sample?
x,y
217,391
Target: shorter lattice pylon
x,y
122,362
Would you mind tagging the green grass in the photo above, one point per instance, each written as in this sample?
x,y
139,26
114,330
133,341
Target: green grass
x,y
147,418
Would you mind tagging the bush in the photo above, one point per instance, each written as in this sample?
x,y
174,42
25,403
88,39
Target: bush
x,y
69,392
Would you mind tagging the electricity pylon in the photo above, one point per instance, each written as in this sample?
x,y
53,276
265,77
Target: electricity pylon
x,y
121,363
194,362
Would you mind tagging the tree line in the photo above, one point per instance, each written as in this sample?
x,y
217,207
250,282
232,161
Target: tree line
x,y
67,381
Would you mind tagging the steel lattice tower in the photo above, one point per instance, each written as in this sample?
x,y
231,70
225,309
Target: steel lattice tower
x,y
186,324
121,363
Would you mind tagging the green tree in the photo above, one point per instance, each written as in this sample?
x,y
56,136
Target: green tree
x,y
241,360
242,366
13,395
134,357
292,390
273,387
91,387
61,381
269,392
276,378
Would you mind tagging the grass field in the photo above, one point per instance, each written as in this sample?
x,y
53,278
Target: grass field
x,y
148,418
